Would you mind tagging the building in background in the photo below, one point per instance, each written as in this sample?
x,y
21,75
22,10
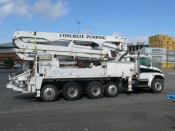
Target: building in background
x,y
7,53
162,41
157,55
167,43
161,50
133,48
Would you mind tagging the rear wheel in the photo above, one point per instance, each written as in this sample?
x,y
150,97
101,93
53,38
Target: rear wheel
x,y
157,85
94,90
49,93
71,91
111,89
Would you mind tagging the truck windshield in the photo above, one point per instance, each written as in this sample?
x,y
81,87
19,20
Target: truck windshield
x,y
144,61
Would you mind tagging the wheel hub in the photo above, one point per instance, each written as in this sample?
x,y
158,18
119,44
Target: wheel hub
x,y
112,89
49,93
72,92
96,91
158,86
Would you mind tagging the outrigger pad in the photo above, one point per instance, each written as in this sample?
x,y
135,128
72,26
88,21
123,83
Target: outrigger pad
x,y
171,97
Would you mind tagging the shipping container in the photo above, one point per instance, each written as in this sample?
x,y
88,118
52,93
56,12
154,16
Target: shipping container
x,y
156,58
171,58
159,51
168,66
171,53
171,39
170,48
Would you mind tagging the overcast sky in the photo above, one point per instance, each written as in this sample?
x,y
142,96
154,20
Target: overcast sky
x,y
135,19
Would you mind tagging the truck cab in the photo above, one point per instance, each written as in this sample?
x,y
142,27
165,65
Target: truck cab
x,y
148,75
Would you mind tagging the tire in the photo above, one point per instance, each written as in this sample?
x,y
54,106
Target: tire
x,y
111,89
94,90
49,93
71,91
157,85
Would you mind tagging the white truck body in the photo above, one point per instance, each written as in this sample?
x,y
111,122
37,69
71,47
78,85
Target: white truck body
x,y
95,66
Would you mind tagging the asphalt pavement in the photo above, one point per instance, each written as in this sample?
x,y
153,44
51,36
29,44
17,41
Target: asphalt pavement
x,y
141,111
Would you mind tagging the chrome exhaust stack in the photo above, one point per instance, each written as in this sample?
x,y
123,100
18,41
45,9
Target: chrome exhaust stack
x,y
137,66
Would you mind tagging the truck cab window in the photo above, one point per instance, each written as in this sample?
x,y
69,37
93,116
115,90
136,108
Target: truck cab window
x,y
144,61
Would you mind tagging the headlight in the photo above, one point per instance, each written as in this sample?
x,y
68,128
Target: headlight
x,y
20,84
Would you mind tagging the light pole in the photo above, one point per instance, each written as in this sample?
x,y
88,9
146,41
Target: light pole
x,y
78,25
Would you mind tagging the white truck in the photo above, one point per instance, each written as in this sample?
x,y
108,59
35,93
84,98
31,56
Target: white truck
x,y
73,64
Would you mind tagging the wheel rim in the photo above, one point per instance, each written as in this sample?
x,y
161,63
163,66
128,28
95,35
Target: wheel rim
x,y
49,93
72,92
95,90
112,90
158,86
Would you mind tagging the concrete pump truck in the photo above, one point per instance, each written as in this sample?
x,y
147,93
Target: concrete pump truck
x,y
73,64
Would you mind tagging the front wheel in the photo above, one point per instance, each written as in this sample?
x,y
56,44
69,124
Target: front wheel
x,y
49,93
157,85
